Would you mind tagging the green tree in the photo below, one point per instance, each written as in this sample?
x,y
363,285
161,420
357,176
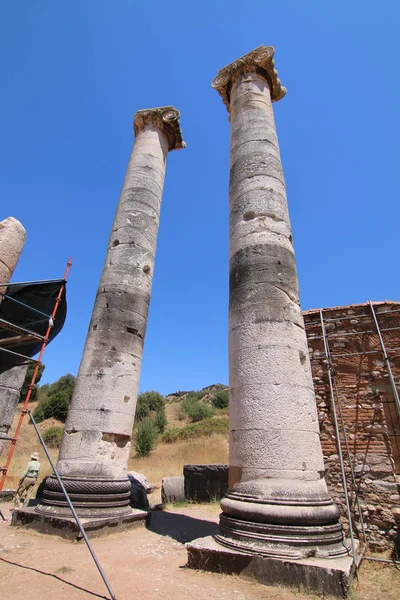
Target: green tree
x,y
27,382
220,399
154,400
149,404
145,437
56,402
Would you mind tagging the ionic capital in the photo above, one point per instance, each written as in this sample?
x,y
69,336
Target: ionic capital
x,y
260,60
165,118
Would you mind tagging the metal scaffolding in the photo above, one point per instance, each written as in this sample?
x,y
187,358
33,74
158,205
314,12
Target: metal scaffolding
x,y
25,336
371,331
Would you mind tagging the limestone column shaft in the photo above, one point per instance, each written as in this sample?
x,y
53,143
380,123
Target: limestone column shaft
x,y
12,240
95,447
276,462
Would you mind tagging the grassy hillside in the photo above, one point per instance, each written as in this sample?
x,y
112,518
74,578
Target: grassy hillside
x,y
205,441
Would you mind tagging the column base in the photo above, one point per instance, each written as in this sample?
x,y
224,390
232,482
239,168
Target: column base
x,y
282,518
66,527
326,576
92,497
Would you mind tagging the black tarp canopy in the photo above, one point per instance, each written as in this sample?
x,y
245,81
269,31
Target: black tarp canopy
x,y
28,306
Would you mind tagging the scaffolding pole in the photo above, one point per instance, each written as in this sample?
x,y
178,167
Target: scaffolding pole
x,y
78,522
335,421
387,361
5,469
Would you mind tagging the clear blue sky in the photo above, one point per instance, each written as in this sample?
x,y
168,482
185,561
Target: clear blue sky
x,y
75,72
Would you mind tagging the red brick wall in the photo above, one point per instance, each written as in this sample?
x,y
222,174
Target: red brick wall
x,y
369,414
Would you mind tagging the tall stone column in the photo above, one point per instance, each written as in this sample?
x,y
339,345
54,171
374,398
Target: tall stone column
x,y
12,240
278,503
95,447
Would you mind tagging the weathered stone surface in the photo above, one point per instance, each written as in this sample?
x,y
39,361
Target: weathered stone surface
x,y
173,489
66,527
97,439
140,487
368,409
205,483
7,495
11,381
279,504
12,240
328,577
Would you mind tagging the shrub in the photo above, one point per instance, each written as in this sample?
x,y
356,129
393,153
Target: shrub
x,y
145,437
52,436
220,399
55,403
206,427
192,408
149,402
142,409
160,421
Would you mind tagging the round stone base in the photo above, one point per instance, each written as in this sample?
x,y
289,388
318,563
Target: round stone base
x,y
91,497
281,541
281,518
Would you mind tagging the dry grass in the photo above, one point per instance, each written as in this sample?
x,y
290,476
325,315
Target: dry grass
x,y
377,581
28,442
168,459
165,460
172,411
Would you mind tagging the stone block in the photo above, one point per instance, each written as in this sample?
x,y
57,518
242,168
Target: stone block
x,y
7,495
173,489
138,497
67,527
205,483
326,576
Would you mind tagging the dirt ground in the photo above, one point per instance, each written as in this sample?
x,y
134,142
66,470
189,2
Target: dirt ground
x,y
144,564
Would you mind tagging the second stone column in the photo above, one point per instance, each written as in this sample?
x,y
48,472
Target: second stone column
x,y
278,503
95,447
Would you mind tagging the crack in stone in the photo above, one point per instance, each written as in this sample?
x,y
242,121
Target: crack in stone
x,y
292,298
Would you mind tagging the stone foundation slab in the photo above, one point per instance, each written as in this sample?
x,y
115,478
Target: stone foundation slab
x,y
326,576
67,527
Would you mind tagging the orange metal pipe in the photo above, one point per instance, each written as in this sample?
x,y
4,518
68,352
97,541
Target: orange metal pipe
x,y
35,372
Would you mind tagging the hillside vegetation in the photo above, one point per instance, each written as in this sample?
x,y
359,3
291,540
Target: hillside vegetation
x,y
168,431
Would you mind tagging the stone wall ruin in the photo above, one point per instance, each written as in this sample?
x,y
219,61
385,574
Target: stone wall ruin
x,y
369,413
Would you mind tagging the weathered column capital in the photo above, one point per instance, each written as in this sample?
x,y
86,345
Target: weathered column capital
x,y
260,60
165,118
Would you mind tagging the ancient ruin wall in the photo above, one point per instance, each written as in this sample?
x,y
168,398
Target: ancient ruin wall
x,y
369,412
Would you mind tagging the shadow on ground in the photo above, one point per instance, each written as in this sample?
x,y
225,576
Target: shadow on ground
x,y
180,527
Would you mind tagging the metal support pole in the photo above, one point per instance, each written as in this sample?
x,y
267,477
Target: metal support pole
x,y
35,310
387,361
383,560
335,421
353,477
83,532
